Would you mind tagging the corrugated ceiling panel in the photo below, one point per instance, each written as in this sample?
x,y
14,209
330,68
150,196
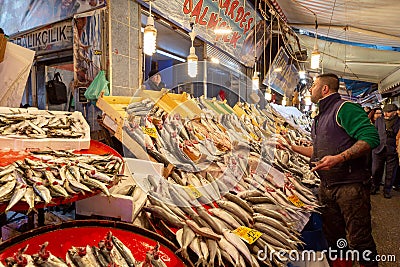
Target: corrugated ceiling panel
x,y
379,20
224,59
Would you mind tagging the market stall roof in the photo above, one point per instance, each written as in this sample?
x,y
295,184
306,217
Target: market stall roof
x,y
362,21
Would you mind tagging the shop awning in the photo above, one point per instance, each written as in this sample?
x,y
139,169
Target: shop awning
x,y
363,23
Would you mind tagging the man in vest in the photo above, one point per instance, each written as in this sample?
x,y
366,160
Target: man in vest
x,y
342,136
388,126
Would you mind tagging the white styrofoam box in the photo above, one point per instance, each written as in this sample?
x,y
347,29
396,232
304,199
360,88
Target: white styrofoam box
x,y
119,206
137,166
46,143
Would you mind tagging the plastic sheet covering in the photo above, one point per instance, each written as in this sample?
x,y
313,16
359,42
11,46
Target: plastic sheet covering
x,y
14,72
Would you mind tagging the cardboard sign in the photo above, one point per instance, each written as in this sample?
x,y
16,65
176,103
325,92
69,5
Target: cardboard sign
x,y
247,234
296,201
152,132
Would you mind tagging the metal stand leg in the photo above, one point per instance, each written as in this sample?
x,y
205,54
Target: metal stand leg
x,y
40,217
31,221
3,221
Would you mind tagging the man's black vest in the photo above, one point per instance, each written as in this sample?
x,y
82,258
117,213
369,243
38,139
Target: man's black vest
x,y
329,138
387,137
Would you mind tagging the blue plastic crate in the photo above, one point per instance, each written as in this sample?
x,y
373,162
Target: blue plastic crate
x,y
312,234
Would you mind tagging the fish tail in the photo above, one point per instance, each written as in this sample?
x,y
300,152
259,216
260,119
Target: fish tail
x,y
183,252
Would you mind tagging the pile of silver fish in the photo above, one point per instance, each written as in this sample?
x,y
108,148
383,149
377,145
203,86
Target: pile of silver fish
x,y
110,252
50,174
207,210
193,144
39,126
228,174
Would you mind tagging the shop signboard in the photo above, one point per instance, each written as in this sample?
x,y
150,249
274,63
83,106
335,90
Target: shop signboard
x,y
52,37
209,14
19,16
282,76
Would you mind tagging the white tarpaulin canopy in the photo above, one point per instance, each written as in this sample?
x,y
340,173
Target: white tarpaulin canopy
x,y
361,21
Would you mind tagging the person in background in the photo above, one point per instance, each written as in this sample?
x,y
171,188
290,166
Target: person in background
x,y
388,127
367,109
342,136
154,82
375,114
372,115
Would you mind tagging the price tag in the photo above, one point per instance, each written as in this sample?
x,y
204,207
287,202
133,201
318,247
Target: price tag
x,y
296,201
152,132
247,234
192,191
255,137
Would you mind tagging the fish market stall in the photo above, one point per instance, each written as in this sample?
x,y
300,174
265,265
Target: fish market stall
x,y
90,243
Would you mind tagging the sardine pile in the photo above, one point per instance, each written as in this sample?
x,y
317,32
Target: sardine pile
x,y
56,174
39,126
110,252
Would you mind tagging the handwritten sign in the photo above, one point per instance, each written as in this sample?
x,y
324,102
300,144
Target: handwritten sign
x,y
152,132
296,201
247,234
208,15
192,191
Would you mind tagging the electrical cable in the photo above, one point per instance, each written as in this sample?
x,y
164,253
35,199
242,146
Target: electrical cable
x,y
278,16
255,37
270,54
329,28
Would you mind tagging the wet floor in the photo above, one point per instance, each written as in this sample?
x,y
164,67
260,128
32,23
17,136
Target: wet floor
x,y
386,226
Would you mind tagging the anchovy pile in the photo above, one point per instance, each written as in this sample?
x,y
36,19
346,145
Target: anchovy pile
x,y
110,252
56,174
39,126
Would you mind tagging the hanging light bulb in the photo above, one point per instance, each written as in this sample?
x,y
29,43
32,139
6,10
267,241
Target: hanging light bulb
x,y
307,98
192,58
302,74
284,100
315,57
255,81
268,95
149,36
192,63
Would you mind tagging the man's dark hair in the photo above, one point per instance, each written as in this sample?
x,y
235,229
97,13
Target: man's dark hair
x,y
330,79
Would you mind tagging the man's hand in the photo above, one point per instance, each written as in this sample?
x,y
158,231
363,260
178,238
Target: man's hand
x,y
280,144
327,162
283,142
